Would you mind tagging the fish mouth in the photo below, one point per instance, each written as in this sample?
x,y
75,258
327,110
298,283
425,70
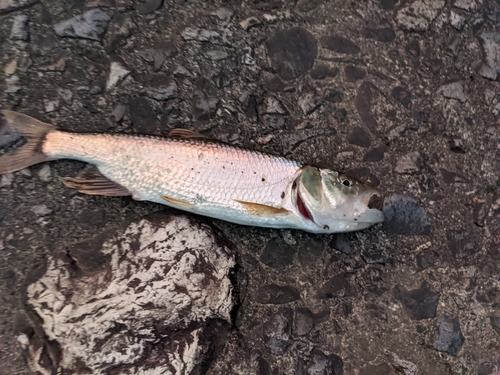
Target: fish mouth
x,y
373,199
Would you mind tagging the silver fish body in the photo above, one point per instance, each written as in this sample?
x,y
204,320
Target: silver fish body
x,y
216,180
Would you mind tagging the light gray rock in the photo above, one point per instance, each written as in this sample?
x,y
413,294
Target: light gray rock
x,y
45,173
20,28
161,88
409,163
308,103
274,106
466,4
153,283
217,54
418,15
41,210
7,6
453,90
456,20
491,46
89,25
203,35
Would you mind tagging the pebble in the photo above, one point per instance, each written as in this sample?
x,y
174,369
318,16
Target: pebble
x,y
250,22
276,294
456,20
277,254
303,321
274,106
20,28
12,84
292,52
89,25
491,46
158,53
224,14
308,103
204,106
450,338
117,72
409,163
10,68
160,87
419,303
203,35
149,6
217,54
45,173
277,331
339,44
6,179
453,90
7,6
402,95
419,15
41,210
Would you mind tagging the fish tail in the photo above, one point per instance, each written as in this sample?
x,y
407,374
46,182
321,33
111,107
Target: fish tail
x,y
21,141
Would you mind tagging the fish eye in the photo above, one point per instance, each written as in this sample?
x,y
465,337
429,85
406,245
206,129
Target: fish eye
x,y
346,181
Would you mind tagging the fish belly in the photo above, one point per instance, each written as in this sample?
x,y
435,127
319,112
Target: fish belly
x,y
207,178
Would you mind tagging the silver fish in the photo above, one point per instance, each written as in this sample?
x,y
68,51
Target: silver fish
x,y
195,174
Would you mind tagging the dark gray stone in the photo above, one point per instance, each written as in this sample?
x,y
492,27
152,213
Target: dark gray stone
x,y
452,177
304,321
159,87
381,369
342,243
143,117
321,364
277,254
149,6
322,71
462,244
119,31
292,52
375,154
276,295
384,35
277,331
360,137
404,215
353,73
402,95
426,259
89,25
336,286
339,44
450,338
419,303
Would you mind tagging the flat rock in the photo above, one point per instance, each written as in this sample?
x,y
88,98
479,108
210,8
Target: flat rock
x,y
321,364
353,73
278,331
274,106
143,117
491,46
339,44
308,102
276,294
292,52
418,15
322,71
450,338
453,90
277,254
159,86
409,163
384,34
360,137
119,30
404,215
153,280
89,25
20,28
419,303
402,95
7,6
158,53
149,6
204,35
338,285
117,72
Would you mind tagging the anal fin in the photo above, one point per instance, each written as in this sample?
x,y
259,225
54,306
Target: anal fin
x,y
177,202
93,182
258,209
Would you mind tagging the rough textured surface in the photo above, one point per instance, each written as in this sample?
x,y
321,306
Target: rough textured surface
x,y
404,95
152,297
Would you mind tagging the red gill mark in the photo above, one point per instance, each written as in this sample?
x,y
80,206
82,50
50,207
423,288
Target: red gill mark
x,y
303,209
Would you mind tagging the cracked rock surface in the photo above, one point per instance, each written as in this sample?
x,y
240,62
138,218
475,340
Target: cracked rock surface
x,y
402,95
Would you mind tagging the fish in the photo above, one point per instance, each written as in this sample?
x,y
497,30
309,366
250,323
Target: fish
x,y
193,173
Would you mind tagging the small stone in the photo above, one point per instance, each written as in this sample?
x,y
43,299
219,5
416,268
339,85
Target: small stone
x,y
58,66
308,103
160,87
41,210
426,259
89,25
149,6
224,14
322,71
375,154
50,105
7,6
158,53
402,95
457,21
491,46
384,35
274,106
359,137
450,338
480,213
203,35
7,180
461,244
20,28
304,321
419,303
320,364
338,285
10,68
117,73
466,4
404,215
276,295
409,163
292,52
419,14
277,254
354,73
339,44
457,146
404,366
453,90
143,117
119,112
204,107
45,173
12,84
277,331
250,22
341,243
118,31
452,177
217,54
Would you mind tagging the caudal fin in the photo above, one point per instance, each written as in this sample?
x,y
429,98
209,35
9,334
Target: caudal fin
x,y
21,140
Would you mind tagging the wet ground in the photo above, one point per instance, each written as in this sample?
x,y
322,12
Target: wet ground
x,y
404,95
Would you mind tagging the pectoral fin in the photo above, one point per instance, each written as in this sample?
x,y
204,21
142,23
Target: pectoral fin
x,y
177,202
93,182
186,134
258,209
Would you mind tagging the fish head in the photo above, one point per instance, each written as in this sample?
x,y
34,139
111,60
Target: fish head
x,y
334,201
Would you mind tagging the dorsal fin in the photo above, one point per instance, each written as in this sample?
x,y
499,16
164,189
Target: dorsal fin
x,y
93,182
187,134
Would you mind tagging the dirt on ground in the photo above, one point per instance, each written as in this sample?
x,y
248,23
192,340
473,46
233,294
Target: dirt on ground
x,y
401,94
